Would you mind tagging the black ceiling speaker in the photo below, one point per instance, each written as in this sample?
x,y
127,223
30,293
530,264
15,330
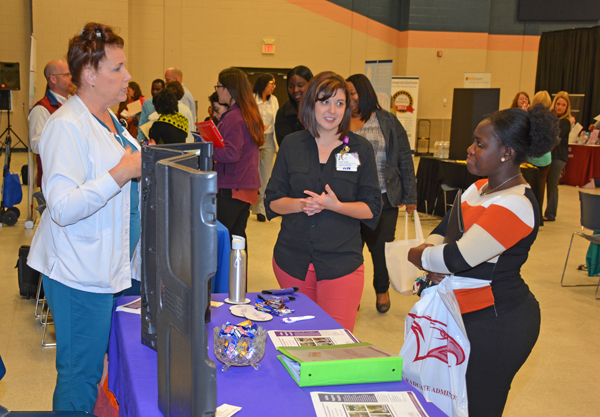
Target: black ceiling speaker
x,y
9,76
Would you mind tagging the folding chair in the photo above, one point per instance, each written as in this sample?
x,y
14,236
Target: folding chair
x,y
590,220
47,320
445,189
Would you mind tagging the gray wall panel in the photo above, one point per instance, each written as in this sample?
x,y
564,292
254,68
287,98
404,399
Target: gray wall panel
x,y
497,17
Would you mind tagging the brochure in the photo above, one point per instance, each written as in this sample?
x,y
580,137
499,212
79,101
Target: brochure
x,y
311,337
367,404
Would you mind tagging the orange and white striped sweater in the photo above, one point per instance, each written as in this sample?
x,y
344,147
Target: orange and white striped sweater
x,y
499,231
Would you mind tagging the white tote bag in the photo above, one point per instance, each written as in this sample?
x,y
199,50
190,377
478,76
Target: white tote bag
x,y
403,273
436,349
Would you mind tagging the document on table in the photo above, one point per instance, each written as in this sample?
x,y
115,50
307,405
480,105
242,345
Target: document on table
x,y
311,337
227,410
134,307
366,404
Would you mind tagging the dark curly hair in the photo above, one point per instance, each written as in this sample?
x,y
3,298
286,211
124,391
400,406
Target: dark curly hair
x,y
530,133
89,48
165,102
176,88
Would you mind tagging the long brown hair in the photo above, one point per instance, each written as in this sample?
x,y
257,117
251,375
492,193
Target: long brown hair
x,y
515,102
237,84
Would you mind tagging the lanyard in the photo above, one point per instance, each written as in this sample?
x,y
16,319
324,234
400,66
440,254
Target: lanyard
x,y
120,129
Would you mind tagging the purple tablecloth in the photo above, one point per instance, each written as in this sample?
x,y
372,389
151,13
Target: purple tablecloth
x,y
132,369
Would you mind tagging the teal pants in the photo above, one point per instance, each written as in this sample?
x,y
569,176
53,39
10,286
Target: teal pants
x,y
82,322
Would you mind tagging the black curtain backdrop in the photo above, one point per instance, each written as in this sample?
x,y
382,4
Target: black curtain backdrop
x,y
569,60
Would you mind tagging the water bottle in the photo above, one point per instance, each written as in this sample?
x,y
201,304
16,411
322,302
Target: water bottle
x,y
238,269
436,149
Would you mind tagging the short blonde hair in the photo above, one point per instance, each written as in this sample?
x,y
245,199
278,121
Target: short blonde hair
x,y
543,98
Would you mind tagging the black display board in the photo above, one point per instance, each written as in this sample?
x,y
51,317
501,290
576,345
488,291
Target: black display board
x,y
469,107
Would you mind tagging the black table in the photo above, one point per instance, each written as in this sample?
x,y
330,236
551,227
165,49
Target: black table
x,y
433,172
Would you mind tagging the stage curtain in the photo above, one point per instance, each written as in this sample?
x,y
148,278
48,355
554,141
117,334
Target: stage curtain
x,y
569,60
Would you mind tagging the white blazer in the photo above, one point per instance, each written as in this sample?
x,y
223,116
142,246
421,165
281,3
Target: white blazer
x,y
82,240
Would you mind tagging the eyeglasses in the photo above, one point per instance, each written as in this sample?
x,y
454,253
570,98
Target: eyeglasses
x,y
218,86
66,74
272,82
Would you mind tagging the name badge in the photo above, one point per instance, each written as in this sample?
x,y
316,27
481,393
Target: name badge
x,y
347,162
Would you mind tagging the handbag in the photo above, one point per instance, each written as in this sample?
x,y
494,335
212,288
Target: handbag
x,y
403,273
12,193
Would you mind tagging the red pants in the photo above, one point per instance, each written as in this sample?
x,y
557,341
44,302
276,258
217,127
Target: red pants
x,y
339,297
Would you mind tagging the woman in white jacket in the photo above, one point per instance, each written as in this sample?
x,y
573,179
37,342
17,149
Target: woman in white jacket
x,y
84,242
267,106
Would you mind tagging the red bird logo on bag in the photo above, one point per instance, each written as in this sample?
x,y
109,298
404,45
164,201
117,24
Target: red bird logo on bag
x,y
446,346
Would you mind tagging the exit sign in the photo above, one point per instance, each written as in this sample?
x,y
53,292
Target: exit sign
x,y
268,49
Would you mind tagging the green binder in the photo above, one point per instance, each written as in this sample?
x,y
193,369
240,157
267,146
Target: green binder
x,y
355,363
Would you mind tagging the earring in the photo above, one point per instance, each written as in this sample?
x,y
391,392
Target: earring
x,y
503,159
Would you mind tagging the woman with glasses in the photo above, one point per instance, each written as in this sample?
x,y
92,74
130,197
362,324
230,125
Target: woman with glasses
x,y
236,163
267,106
324,185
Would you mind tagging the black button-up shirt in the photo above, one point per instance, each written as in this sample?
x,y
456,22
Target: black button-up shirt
x,y
329,240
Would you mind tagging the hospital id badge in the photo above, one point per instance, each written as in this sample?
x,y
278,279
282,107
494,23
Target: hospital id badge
x,y
347,162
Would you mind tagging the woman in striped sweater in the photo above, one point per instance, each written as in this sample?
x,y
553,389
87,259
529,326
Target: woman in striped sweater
x,y
501,219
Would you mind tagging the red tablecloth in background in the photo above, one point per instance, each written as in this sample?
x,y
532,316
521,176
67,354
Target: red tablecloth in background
x,y
583,165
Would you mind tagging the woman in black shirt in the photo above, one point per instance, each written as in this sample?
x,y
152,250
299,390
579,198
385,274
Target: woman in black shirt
x,y
171,126
286,120
324,184
560,154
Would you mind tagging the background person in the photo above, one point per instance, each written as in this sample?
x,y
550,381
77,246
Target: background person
x,y
501,219
395,171
177,89
217,108
148,107
319,248
543,162
267,106
287,121
175,74
521,101
236,164
560,154
134,93
87,233
171,126
58,89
